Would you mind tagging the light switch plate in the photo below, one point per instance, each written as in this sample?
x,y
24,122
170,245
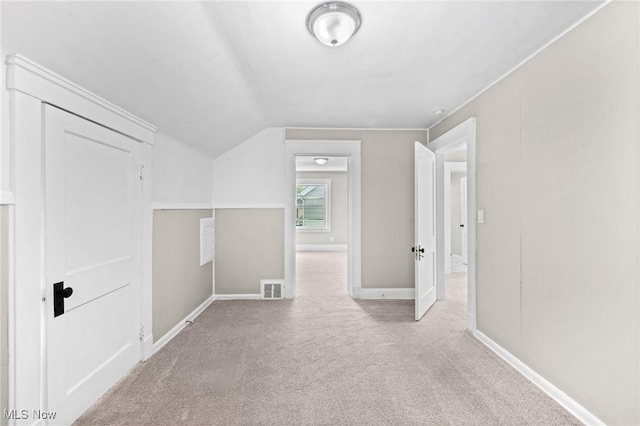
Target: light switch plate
x,y
480,216
206,240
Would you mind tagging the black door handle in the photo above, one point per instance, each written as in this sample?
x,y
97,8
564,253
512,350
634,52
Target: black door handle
x,y
422,250
59,294
462,226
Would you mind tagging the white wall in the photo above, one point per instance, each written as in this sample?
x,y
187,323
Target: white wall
x,y
252,173
182,175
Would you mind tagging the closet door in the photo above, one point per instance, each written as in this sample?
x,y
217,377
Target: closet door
x,y
93,214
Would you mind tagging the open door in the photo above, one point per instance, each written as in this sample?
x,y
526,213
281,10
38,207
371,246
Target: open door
x,y
424,250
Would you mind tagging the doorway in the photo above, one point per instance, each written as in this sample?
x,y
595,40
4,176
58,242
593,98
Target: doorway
x,y
301,154
458,143
322,217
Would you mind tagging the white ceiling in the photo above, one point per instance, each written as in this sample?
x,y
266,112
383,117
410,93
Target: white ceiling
x,y
213,74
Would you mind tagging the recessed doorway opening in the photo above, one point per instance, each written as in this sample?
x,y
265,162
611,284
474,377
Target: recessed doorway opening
x,y
308,151
322,225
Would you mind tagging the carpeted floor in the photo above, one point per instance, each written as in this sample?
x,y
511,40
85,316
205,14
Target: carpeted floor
x,y
324,358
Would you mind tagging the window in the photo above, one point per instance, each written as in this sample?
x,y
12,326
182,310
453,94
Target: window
x,y
313,204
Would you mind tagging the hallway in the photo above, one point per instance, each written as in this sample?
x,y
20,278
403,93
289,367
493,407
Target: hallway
x,y
324,358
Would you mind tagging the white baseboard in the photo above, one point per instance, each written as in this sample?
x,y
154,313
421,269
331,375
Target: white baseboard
x,y
562,398
387,293
321,247
238,297
182,324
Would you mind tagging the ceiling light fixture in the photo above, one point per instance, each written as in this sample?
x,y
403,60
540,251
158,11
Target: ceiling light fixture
x,y
321,161
438,111
333,23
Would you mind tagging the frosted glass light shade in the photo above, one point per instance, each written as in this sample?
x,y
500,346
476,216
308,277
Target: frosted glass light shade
x,y
333,23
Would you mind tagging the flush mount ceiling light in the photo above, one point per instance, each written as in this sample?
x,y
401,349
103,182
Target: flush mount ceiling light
x,y
321,161
333,23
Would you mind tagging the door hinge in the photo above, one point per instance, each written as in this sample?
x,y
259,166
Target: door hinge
x,y
141,336
141,171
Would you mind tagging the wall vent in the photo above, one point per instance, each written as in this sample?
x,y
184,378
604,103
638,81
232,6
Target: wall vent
x,y
272,289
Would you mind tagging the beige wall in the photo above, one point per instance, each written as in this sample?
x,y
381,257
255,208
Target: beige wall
x,y
387,200
557,177
339,210
180,284
249,247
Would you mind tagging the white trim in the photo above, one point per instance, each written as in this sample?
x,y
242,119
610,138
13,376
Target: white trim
x,y
249,206
182,324
182,206
322,247
464,133
329,148
222,297
7,198
449,168
388,293
384,129
527,59
547,387
26,76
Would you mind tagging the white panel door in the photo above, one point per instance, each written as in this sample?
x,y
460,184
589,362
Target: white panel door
x,y
463,217
93,214
424,250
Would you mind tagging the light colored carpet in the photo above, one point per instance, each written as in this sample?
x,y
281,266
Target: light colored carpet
x,y
327,359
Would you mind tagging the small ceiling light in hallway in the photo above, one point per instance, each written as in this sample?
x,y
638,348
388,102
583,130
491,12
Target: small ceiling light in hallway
x,y
333,23
321,161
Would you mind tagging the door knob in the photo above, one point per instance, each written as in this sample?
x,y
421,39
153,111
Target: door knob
x,y
421,249
462,226
59,294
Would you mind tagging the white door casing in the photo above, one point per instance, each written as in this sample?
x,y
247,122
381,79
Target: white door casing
x,y
425,229
92,201
462,134
328,148
463,218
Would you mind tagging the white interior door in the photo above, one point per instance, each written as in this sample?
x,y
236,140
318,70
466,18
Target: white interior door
x,y
93,214
463,217
425,229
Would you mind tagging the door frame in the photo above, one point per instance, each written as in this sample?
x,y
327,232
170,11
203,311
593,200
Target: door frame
x,y
29,86
327,148
450,167
464,133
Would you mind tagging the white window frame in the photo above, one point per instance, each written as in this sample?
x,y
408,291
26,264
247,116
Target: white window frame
x,y
327,204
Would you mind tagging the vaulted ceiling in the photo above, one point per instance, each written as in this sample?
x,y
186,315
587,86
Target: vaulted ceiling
x,y
212,74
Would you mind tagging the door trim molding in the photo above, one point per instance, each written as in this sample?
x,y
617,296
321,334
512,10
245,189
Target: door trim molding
x,y
464,133
29,86
335,148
